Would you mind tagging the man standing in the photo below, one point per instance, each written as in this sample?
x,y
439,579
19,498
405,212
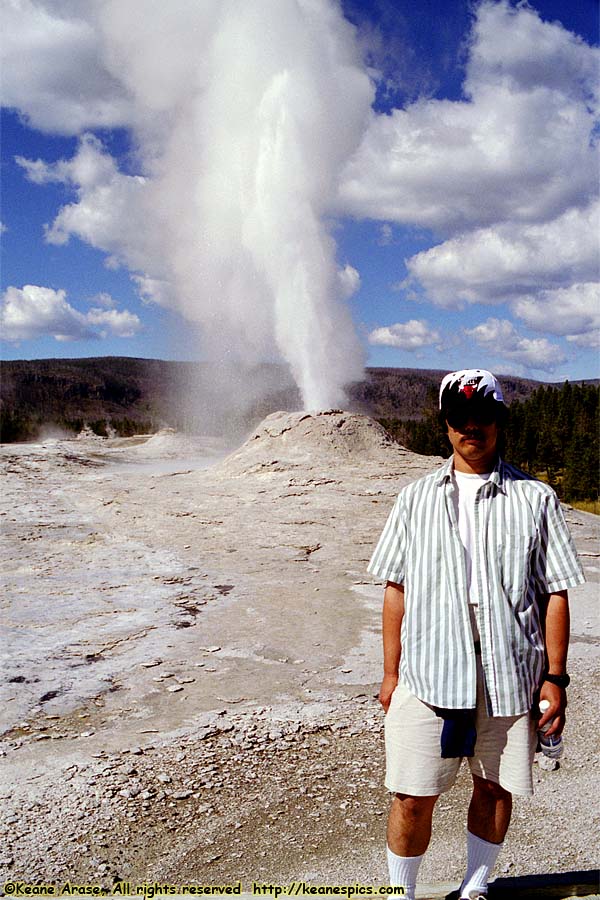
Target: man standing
x,y
477,559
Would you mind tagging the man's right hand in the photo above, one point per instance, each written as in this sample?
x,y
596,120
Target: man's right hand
x,y
388,686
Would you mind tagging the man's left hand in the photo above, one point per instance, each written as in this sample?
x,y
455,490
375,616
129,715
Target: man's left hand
x,y
557,698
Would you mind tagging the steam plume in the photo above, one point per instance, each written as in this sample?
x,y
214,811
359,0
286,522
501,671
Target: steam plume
x,y
244,112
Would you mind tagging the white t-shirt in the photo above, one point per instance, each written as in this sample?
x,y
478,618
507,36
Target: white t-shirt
x,y
464,504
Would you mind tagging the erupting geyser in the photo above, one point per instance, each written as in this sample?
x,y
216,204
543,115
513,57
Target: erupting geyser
x,y
243,114
269,106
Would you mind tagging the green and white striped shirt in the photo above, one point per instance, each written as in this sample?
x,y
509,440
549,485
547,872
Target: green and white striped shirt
x,y
524,551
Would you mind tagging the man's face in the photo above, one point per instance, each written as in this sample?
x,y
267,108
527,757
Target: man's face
x,y
474,441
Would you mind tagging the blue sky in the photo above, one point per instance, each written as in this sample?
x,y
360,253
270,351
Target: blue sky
x,y
187,189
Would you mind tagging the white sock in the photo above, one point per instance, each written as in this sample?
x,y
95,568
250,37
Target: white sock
x,y
481,857
403,871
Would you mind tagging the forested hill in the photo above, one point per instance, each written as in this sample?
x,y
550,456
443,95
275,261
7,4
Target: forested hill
x,y
411,393
553,429
132,395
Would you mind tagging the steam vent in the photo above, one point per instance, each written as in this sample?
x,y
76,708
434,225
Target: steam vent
x,y
289,440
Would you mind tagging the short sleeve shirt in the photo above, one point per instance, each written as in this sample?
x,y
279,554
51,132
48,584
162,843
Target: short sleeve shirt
x,y
523,551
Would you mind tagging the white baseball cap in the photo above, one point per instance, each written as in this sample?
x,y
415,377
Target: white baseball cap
x,y
468,384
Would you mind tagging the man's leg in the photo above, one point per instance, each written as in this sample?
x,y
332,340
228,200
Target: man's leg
x,y
487,823
489,811
409,824
408,835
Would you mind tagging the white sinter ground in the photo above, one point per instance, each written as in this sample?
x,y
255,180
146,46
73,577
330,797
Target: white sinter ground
x,y
190,655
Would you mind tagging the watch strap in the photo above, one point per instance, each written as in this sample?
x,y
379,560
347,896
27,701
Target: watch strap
x,y
562,681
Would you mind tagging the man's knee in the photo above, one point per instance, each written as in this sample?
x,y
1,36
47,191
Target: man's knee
x,y
490,789
409,824
414,807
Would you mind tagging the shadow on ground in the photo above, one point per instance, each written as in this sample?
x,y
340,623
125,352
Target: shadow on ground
x,y
560,886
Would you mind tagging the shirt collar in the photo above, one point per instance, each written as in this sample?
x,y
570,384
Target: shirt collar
x,y
444,474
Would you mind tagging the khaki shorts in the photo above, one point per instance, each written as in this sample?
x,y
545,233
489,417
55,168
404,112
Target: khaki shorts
x,y
504,749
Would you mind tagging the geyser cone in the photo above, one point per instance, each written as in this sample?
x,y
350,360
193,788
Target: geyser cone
x,y
294,439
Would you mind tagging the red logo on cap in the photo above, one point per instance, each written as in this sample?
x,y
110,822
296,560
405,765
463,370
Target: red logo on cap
x,y
469,390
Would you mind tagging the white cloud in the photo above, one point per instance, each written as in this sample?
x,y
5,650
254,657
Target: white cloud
x,y
499,337
32,312
110,211
119,323
590,340
412,335
349,279
490,265
3,227
155,290
386,235
103,300
514,46
517,149
573,312
509,174
40,172
53,71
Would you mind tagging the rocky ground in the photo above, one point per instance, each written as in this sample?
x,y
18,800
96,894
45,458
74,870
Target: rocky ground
x,y
191,664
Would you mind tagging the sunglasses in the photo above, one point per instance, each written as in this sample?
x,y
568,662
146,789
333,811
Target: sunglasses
x,y
458,418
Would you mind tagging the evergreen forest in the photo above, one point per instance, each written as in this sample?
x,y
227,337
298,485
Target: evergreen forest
x,y
553,434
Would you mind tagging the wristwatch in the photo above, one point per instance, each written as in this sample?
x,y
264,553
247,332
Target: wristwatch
x,y
562,681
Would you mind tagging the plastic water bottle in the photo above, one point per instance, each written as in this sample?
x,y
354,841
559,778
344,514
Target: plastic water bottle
x,y
551,746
